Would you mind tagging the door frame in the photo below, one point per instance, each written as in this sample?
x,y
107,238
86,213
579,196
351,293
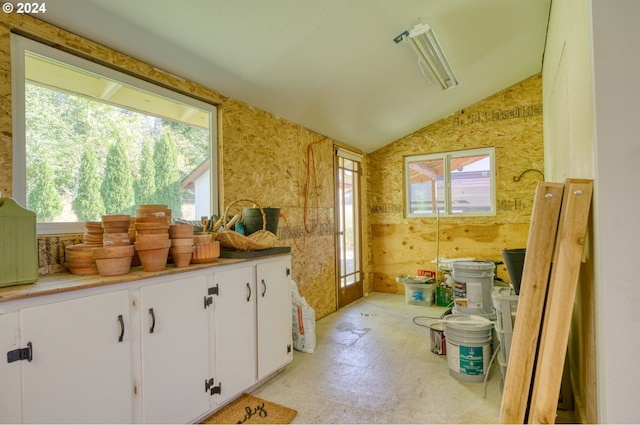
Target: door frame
x,y
350,293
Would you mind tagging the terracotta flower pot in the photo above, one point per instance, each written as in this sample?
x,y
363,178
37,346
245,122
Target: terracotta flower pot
x,y
202,239
182,242
111,239
117,227
154,260
113,251
181,255
181,231
115,223
151,237
115,217
206,253
113,266
144,246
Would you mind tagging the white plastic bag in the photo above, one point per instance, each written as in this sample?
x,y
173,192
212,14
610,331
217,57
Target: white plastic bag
x,y
304,322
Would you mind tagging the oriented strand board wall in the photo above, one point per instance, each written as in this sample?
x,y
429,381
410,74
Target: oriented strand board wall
x,y
271,161
264,158
510,121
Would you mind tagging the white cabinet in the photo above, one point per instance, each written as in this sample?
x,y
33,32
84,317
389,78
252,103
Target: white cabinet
x,y
174,323
235,332
167,349
275,345
80,362
10,394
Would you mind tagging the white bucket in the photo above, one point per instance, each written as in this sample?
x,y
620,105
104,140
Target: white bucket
x,y
468,346
473,282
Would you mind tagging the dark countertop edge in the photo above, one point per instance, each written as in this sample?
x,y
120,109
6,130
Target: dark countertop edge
x,y
66,282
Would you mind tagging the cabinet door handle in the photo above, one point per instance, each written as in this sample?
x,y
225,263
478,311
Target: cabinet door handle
x,y
121,321
264,285
249,295
153,321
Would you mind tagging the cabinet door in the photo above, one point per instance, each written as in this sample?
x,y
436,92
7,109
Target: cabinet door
x,y
81,366
175,350
11,388
274,316
235,332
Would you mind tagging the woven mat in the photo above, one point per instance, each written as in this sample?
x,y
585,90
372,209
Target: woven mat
x,y
248,409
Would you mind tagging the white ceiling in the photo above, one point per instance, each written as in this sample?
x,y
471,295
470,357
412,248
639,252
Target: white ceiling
x,y
328,65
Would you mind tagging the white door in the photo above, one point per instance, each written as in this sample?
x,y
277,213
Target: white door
x,y
11,388
274,316
81,366
235,308
175,350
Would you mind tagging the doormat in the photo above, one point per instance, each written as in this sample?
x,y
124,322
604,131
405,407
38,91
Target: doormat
x,y
248,409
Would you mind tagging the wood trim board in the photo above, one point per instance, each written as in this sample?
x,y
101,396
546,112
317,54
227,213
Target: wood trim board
x,y
551,271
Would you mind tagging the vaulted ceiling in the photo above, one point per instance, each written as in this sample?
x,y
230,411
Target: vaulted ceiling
x,y
328,65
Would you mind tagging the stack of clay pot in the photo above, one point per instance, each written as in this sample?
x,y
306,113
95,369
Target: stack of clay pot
x,y
93,234
79,257
206,250
154,210
114,257
181,244
152,242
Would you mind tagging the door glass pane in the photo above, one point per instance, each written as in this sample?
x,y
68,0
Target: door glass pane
x,y
348,221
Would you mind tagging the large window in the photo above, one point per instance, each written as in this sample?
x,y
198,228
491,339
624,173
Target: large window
x,y
450,184
89,140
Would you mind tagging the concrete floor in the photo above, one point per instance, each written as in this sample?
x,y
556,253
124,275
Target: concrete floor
x,y
373,364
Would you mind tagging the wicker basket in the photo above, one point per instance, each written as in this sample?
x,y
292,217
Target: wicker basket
x,y
230,239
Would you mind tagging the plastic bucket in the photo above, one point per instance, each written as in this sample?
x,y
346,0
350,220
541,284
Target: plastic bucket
x,y
473,282
468,342
438,340
253,219
514,259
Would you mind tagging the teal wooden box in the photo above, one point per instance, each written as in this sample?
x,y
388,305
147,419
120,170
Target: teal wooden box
x,y
18,244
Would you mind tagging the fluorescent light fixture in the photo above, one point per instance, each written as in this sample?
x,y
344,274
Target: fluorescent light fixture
x,y
424,42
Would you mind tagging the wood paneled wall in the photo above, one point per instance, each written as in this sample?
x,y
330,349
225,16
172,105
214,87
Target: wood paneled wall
x,y
510,121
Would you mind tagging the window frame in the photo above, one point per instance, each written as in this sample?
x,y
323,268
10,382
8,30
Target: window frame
x,y
446,157
19,46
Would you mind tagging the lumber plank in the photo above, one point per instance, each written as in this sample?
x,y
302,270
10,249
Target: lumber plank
x,y
569,250
533,290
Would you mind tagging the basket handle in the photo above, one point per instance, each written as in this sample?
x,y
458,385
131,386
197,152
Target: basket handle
x,y
255,204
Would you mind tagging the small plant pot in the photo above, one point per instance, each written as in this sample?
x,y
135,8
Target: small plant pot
x,y
154,260
110,239
113,251
182,242
151,237
181,231
113,266
143,246
206,253
181,256
202,239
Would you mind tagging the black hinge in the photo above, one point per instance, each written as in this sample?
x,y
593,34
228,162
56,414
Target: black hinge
x,y
288,348
210,388
209,300
288,271
20,354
